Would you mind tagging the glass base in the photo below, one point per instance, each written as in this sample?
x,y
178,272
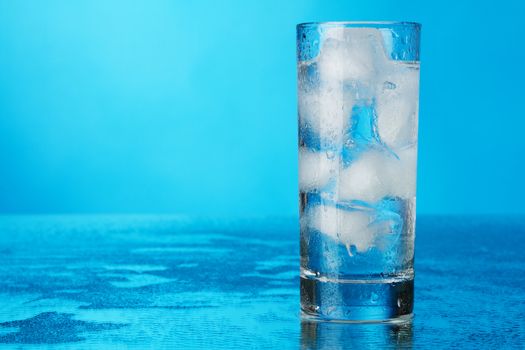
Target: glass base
x,y
357,300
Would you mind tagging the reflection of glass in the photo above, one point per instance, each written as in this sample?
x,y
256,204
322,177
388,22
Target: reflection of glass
x,y
358,86
335,335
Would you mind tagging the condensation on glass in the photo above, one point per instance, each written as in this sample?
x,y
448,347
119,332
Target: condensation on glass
x,y
358,87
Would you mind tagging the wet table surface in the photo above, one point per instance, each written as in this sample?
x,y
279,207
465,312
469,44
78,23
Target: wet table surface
x,y
172,282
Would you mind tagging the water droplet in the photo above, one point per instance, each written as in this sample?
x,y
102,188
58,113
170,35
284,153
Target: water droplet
x,y
374,298
398,302
388,85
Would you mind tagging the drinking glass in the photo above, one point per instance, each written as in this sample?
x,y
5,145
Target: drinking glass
x,y
358,87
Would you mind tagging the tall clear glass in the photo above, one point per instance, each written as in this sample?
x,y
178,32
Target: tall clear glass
x,y
358,87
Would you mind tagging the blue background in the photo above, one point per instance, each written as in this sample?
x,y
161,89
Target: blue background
x,y
178,106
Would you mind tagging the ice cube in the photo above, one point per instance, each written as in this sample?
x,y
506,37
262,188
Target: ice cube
x,y
307,76
397,105
402,173
348,227
357,228
365,179
325,111
315,169
378,174
351,53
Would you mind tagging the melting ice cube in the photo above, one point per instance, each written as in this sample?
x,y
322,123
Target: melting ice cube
x,y
324,107
350,227
397,105
402,173
365,178
351,53
323,110
378,174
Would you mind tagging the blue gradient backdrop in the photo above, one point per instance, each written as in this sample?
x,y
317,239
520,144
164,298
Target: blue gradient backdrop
x,y
179,106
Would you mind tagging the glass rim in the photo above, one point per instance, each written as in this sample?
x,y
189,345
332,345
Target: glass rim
x,y
357,24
